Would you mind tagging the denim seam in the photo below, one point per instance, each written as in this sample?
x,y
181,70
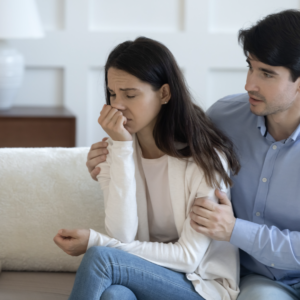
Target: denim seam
x,y
153,274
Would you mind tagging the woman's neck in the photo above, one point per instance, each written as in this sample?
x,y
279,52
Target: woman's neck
x,y
148,145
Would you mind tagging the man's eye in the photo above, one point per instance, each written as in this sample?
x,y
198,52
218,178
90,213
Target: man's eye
x,y
112,95
267,75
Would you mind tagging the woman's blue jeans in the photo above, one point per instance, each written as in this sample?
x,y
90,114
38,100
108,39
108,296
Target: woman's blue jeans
x,y
112,274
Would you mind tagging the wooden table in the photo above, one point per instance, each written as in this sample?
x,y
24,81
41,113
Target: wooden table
x,y
37,127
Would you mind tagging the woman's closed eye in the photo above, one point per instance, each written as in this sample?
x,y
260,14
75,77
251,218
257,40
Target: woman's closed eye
x,y
130,96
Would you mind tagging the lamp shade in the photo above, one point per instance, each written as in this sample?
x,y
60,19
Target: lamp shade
x,y
19,19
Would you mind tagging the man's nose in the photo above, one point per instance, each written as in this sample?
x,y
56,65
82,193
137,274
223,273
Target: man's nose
x,y
251,84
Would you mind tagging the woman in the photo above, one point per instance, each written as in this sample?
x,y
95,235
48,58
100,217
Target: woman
x,y
163,153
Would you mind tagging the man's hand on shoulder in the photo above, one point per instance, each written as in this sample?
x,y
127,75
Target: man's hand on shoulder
x,y
213,220
96,155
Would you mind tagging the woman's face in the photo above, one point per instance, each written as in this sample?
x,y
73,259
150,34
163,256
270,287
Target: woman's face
x,y
135,99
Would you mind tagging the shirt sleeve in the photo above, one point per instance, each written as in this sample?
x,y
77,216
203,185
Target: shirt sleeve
x,y
274,248
182,256
117,181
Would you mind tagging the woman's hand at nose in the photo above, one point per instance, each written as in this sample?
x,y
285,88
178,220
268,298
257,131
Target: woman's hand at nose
x,y
112,121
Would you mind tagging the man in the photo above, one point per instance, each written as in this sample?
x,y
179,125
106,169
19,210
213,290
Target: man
x,y
264,126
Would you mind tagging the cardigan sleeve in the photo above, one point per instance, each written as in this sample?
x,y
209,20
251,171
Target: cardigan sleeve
x,y
183,256
117,181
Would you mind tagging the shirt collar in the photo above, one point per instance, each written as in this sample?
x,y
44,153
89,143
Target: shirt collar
x,y
295,135
261,125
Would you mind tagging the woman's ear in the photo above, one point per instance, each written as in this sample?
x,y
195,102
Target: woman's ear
x,y
165,94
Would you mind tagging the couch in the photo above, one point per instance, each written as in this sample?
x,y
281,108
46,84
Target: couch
x,y
41,191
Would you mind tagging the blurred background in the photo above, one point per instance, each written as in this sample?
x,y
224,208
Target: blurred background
x,y
65,67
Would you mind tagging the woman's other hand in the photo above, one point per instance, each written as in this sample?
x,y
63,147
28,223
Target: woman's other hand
x,y
73,242
112,121
96,155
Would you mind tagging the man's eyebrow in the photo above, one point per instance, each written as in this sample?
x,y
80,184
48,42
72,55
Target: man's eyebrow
x,y
268,71
263,69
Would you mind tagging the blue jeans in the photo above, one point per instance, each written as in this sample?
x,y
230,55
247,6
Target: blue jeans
x,y
261,288
112,274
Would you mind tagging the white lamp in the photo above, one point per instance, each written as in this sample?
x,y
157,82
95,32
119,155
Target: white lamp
x,y
18,19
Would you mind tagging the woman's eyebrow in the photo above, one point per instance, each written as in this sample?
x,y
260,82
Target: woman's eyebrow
x,y
129,89
123,90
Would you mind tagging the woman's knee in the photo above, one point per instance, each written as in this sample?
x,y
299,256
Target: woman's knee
x,y
98,255
117,292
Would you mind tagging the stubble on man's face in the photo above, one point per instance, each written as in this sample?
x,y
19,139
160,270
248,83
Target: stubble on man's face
x,y
269,108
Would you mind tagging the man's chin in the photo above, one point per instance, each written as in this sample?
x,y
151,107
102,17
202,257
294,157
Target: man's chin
x,y
256,111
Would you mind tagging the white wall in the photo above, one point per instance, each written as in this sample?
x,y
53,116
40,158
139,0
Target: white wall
x,y
66,67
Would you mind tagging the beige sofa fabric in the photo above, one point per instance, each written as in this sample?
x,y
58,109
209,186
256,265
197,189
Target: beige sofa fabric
x,y
35,285
41,191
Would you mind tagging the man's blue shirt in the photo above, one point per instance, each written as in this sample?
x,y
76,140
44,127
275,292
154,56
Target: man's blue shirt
x,y
265,193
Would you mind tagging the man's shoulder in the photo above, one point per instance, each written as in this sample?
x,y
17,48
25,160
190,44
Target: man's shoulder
x,y
229,105
232,115
230,110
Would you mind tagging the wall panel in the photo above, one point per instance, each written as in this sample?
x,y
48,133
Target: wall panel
x,y
42,87
96,100
223,82
52,14
136,15
231,15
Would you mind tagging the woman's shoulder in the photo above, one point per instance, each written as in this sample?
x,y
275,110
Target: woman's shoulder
x,y
195,174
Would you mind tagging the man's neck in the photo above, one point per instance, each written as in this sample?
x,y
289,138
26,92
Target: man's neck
x,y
281,125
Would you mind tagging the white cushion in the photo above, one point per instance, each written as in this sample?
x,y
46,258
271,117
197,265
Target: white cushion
x,y
41,191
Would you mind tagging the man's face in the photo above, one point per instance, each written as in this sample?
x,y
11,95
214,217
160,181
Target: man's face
x,y
271,89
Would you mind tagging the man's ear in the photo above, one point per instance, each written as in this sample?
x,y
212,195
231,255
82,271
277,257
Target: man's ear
x,y
165,94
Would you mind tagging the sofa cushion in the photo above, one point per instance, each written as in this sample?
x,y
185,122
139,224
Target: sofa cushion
x,y
35,286
41,191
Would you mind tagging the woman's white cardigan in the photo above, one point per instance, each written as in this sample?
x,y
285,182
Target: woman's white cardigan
x,y
212,266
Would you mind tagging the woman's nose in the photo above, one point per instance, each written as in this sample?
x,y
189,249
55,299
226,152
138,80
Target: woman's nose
x,y
117,103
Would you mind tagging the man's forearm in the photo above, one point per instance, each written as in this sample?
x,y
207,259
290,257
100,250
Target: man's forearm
x,y
269,245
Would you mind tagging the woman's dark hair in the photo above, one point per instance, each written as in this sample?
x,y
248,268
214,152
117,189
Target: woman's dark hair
x,y
275,41
180,120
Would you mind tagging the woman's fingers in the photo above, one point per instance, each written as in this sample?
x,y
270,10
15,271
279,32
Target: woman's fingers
x,y
112,121
73,242
121,120
104,121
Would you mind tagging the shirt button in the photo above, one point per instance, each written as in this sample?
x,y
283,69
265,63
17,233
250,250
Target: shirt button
x,y
274,147
272,265
264,179
258,214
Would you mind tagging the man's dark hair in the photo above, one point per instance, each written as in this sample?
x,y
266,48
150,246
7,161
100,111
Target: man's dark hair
x,y
275,41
